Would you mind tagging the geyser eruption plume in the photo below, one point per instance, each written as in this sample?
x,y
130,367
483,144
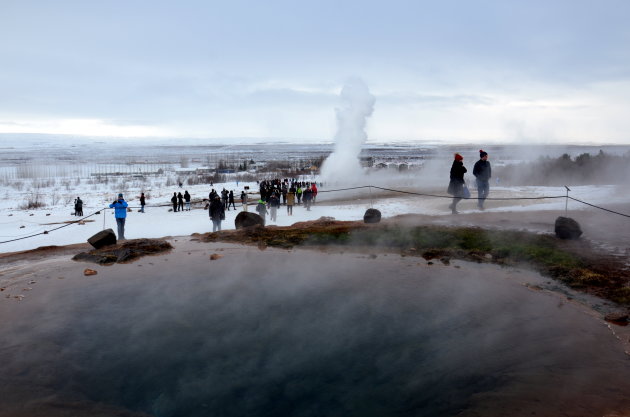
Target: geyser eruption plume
x,y
343,164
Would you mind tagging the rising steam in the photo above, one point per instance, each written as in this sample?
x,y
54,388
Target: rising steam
x,y
343,164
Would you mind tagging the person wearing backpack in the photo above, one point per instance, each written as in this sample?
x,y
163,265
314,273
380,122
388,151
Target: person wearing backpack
x,y
261,208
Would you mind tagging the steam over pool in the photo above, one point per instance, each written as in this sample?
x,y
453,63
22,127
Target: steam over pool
x,y
273,333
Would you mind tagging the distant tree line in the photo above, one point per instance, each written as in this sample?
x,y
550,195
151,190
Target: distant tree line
x,y
585,169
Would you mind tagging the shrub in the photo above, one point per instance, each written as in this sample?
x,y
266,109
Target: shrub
x,y
33,201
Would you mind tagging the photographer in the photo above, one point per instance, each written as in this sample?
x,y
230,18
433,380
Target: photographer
x,y
120,212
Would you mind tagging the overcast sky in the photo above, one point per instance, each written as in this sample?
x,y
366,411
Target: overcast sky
x,y
457,71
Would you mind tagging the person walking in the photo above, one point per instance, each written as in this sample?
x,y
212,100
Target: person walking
x,y
180,201
187,200
142,202
244,200
290,201
456,184
174,202
120,213
261,208
231,200
482,172
217,213
314,192
298,193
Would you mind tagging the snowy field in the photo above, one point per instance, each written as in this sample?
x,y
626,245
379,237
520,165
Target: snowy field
x,y
53,175
159,221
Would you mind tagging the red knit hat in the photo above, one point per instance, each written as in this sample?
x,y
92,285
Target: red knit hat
x,y
482,153
458,157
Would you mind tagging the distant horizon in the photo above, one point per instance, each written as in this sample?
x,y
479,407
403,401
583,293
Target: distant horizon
x,y
66,138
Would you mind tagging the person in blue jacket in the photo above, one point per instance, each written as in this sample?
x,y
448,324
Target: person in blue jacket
x,y
120,212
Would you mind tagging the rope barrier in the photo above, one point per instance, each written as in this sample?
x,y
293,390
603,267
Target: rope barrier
x,y
598,207
470,198
45,232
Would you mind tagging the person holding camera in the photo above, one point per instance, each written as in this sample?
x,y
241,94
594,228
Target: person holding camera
x,y
120,213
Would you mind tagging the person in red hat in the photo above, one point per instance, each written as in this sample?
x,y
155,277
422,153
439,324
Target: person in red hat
x,y
456,185
482,172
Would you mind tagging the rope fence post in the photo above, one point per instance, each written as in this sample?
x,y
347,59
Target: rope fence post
x,y
566,204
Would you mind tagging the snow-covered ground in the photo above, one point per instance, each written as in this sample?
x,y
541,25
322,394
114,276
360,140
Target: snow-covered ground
x,y
17,224
55,172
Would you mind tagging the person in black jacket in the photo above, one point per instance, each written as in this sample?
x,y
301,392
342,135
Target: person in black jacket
x,y
217,213
187,200
308,197
174,201
274,203
78,207
456,185
224,198
482,172
231,200
180,201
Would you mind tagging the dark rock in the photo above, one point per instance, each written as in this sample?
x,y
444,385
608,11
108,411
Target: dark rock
x,y
620,318
567,228
103,238
126,252
247,219
372,216
434,253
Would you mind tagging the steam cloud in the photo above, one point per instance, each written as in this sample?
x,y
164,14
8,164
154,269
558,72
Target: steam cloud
x,y
343,164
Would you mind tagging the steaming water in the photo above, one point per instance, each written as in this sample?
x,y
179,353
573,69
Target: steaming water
x,y
273,333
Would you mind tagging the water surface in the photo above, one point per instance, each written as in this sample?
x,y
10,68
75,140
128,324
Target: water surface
x,y
302,333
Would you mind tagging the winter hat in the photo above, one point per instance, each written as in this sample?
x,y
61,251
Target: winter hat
x,y
458,157
120,195
482,153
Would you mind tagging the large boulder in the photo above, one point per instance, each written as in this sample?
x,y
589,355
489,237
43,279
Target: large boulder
x,y
247,219
372,216
103,238
567,228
